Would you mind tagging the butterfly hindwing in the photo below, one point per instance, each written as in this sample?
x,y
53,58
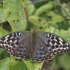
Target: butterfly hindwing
x,y
47,45
17,44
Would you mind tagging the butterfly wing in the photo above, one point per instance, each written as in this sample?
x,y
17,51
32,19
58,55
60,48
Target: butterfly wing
x,y
17,44
47,45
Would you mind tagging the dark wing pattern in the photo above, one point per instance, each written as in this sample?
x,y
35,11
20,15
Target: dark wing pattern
x,y
47,45
17,44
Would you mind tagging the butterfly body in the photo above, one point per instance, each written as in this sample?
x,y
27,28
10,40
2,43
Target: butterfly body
x,y
39,46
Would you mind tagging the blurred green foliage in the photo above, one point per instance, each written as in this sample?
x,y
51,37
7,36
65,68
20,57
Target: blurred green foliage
x,y
45,16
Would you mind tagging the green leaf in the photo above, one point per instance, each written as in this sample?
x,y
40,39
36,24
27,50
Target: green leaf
x,y
45,8
32,65
64,34
29,64
2,15
37,21
64,61
1,6
50,29
16,14
16,65
2,32
1,50
4,64
56,19
38,65
57,31
29,6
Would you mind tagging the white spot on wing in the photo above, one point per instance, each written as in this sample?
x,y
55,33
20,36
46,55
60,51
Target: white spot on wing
x,y
60,39
1,44
51,43
6,40
19,34
11,37
67,44
61,43
4,44
58,48
15,41
55,44
55,40
10,41
7,36
48,35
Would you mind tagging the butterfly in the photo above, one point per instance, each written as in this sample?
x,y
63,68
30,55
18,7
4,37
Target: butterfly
x,y
39,46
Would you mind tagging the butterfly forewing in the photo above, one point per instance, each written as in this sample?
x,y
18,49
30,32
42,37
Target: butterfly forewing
x,y
17,44
47,45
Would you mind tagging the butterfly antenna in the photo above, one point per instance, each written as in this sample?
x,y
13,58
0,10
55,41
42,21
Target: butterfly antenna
x,y
63,8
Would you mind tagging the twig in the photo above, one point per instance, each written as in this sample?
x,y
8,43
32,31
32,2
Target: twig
x,y
63,8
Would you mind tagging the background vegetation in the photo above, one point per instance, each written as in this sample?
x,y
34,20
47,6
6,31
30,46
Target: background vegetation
x,y
46,16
